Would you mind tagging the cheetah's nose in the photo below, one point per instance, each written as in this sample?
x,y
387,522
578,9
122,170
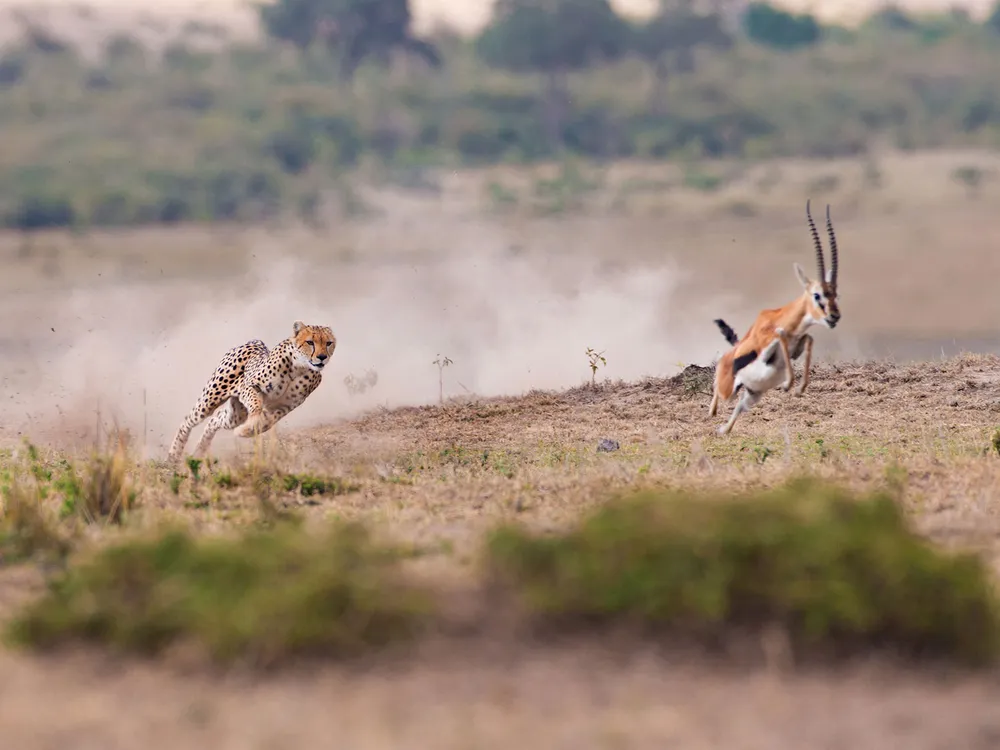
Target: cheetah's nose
x,y
321,357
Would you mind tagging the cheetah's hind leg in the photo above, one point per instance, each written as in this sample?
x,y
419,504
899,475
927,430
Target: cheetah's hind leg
x,y
205,407
215,393
229,417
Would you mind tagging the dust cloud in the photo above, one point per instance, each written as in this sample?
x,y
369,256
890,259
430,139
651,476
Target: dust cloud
x,y
139,356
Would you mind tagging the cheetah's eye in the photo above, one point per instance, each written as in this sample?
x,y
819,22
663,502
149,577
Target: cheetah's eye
x,y
329,343
310,343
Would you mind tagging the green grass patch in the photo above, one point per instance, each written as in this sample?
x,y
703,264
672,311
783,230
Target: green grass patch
x,y
261,598
841,574
308,485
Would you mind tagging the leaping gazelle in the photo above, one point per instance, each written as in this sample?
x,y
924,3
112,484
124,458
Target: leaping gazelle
x,y
762,359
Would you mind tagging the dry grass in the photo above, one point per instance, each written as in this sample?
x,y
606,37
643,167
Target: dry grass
x,y
444,473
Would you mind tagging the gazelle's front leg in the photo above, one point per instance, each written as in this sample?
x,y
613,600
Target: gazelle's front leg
x,y
805,371
789,372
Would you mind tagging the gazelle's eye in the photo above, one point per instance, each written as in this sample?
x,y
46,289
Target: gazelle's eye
x,y
816,296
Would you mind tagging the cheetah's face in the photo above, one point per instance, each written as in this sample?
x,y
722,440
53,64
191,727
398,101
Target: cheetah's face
x,y
314,345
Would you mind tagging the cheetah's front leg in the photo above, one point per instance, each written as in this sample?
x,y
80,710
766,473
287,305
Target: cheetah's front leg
x,y
253,401
271,416
268,419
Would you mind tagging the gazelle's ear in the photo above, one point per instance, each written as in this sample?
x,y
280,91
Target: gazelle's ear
x,y
829,276
803,279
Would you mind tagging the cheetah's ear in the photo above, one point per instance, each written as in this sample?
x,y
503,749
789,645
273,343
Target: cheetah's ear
x,y
297,326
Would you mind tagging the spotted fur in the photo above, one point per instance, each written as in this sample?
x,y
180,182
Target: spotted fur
x,y
256,387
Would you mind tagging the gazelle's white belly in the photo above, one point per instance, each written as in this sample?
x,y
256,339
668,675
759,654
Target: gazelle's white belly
x,y
760,376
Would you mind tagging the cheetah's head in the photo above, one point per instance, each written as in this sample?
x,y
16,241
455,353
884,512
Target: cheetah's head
x,y
314,345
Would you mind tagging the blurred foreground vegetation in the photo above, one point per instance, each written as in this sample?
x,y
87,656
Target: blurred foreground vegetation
x,y
211,128
838,574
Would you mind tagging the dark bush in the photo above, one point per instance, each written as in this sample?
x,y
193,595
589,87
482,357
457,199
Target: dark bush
x,y
769,25
293,148
41,211
264,597
839,573
13,68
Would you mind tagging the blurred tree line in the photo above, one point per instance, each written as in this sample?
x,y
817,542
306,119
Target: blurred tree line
x,y
246,131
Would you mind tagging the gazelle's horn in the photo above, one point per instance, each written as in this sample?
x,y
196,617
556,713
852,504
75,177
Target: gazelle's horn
x,y
833,249
819,245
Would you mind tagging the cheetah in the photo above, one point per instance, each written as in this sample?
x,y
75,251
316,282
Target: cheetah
x,y
256,387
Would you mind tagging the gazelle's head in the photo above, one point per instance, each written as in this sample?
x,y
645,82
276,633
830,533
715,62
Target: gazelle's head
x,y
821,293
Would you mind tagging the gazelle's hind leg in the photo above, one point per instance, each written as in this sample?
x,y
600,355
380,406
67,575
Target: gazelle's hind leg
x,y
745,404
749,398
807,340
713,407
229,417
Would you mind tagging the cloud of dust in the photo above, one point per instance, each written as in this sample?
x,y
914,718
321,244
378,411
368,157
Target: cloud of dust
x,y
509,323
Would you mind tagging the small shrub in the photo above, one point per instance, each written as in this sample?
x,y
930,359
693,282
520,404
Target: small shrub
x,y
970,177
26,530
703,182
225,480
263,597
309,485
106,490
839,573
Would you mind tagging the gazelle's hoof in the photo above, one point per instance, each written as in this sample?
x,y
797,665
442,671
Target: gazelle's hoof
x,y
723,430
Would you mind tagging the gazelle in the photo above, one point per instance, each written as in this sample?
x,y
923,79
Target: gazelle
x,y
762,359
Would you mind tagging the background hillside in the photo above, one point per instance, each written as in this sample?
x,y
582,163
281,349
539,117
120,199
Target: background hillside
x,y
471,15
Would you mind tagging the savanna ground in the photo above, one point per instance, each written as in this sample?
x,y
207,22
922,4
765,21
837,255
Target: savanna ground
x,y
122,328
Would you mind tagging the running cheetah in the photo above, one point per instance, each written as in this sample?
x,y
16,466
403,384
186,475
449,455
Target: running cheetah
x,y
256,387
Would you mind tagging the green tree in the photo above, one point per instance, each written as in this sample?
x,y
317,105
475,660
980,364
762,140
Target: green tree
x,y
670,40
773,27
891,18
352,30
993,20
552,38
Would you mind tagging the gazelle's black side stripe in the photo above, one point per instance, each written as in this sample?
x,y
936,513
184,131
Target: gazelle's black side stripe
x,y
743,360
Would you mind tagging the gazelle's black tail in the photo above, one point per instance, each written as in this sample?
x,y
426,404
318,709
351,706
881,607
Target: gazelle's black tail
x,y
728,332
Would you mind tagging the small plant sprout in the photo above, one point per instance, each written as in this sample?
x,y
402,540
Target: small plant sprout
x,y
441,362
595,360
